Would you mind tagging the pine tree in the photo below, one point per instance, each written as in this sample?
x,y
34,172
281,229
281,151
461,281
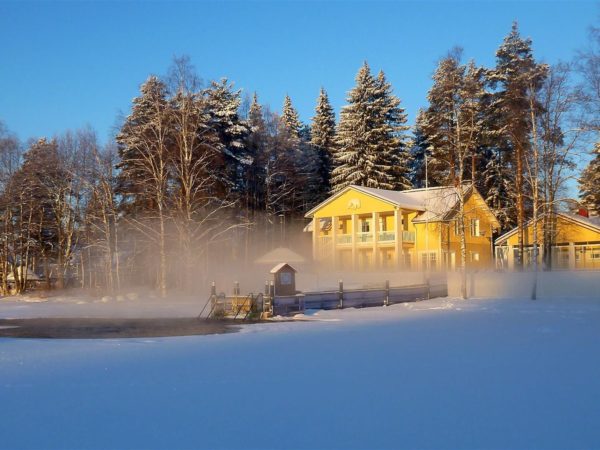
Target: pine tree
x,y
372,147
437,122
323,140
222,105
290,119
418,151
257,147
144,143
515,76
255,115
394,142
589,184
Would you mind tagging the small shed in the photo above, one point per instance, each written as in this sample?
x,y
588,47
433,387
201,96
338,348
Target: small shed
x,y
284,279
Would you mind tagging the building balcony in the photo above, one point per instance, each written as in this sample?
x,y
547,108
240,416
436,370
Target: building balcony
x,y
383,237
343,239
364,238
386,236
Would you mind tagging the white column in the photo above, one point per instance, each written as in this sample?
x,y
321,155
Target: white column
x,y
354,241
315,238
334,230
511,257
398,241
375,231
571,255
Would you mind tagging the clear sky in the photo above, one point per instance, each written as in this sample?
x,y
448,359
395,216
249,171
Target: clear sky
x,y
67,64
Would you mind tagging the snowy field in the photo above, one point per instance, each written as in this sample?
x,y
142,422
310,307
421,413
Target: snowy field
x,y
446,373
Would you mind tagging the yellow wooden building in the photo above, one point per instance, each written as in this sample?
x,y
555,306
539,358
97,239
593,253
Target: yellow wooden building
x,y
362,228
576,243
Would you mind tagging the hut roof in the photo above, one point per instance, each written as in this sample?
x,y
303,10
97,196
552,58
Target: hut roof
x,y
280,254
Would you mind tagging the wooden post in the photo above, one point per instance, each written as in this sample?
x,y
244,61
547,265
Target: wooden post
x,y
341,294
213,289
386,301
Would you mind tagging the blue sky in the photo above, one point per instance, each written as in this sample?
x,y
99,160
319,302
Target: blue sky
x,y
67,64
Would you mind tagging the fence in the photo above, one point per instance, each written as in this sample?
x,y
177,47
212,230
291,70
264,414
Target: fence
x,y
355,298
243,307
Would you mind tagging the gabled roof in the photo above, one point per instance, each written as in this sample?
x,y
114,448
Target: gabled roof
x,y
433,204
280,266
592,223
395,198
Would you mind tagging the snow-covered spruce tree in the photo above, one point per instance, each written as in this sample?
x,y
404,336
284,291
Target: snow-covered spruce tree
x,y
437,122
290,118
144,142
256,144
515,72
419,149
589,184
498,189
371,137
222,104
323,141
256,120
395,143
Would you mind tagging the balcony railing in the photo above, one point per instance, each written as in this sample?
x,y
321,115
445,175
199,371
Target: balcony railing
x,y
363,238
408,236
344,239
366,238
387,236
325,241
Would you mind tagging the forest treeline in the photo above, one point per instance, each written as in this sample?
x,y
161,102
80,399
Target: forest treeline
x,y
199,174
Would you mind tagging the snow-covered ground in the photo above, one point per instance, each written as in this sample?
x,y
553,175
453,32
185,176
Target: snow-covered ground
x,y
445,373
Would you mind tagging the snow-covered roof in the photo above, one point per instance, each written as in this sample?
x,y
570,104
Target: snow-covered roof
x,y
435,203
324,222
31,275
403,199
397,198
439,202
589,222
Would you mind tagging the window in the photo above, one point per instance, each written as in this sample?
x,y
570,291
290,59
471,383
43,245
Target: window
x,y
431,257
474,256
475,227
365,225
456,228
382,223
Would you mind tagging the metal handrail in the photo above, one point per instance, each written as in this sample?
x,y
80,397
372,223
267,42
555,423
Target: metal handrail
x,y
205,305
214,305
249,296
255,302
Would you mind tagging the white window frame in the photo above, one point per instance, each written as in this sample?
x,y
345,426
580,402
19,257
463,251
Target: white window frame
x,y
475,229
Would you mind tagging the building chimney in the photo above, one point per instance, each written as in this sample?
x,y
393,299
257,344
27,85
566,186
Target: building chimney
x,y
583,212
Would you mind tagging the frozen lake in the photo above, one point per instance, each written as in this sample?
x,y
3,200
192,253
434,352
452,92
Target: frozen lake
x,y
445,373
